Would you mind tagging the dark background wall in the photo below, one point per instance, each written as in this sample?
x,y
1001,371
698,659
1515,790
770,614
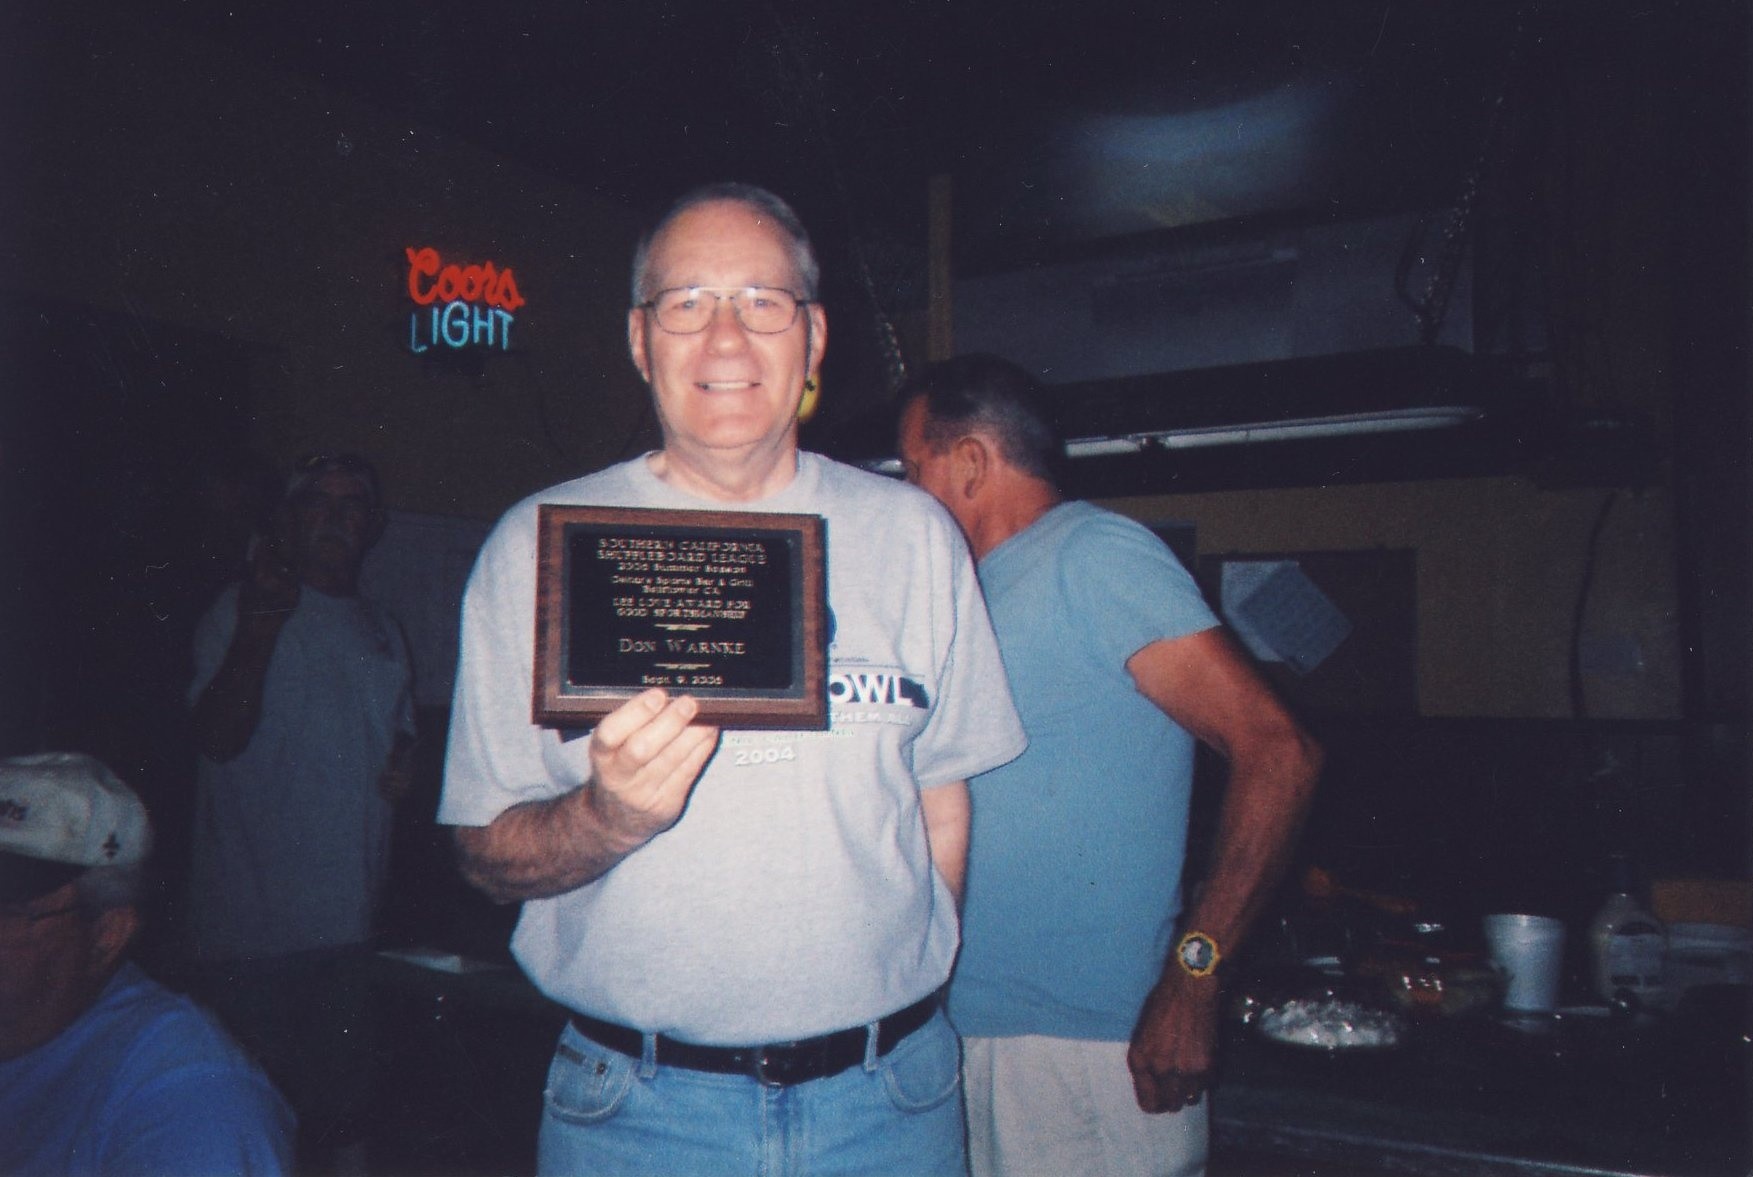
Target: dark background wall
x,y
201,260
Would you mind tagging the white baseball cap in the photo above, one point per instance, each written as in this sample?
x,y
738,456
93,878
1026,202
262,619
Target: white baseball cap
x,y
62,813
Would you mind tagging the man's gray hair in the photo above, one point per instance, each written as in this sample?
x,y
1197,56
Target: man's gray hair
x,y
764,204
981,393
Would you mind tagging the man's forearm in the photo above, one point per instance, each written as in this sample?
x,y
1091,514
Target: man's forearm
x,y
1203,682
230,706
539,849
1173,1044
645,757
1267,795
947,812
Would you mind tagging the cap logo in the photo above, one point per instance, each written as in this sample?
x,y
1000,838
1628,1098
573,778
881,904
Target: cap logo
x,y
111,847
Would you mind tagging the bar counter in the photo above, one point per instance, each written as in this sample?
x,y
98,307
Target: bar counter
x,y
1583,1094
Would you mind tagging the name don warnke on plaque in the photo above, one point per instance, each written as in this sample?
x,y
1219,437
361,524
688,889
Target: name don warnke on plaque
x,y
726,606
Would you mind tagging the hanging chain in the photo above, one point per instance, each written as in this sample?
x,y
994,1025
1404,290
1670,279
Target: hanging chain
x,y
813,104
1432,307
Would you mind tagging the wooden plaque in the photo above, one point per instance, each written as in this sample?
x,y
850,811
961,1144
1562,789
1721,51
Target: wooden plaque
x,y
727,606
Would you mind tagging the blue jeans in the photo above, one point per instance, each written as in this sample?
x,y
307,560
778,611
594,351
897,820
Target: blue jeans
x,y
617,1116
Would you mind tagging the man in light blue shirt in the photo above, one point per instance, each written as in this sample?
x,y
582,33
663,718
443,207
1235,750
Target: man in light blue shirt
x,y
1087,990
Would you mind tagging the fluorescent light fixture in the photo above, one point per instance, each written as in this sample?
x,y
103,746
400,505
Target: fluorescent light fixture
x,y
1296,429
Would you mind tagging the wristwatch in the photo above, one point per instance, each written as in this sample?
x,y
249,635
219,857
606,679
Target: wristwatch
x,y
1197,954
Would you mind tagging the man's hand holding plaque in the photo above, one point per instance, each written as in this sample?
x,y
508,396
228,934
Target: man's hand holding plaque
x,y
644,759
638,769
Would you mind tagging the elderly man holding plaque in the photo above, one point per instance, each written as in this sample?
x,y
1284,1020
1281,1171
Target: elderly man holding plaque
x,y
751,924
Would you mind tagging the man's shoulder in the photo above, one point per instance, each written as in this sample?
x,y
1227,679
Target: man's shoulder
x,y
1091,552
833,475
223,606
160,1059
847,487
1088,518
149,1029
1083,531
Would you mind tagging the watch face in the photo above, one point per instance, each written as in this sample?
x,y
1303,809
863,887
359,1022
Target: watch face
x,y
1198,953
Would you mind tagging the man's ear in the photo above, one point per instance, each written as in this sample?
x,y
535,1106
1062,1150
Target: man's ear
x,y
636,343
816,323
113,931
971,460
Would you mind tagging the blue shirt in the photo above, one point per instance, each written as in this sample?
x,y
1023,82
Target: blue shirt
x,y
143,1082
1076,846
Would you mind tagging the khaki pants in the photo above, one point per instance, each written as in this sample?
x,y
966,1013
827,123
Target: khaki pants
x,y
1053,1106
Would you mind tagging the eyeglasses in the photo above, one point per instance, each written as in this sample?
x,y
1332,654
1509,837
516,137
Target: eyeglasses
x,y
764,310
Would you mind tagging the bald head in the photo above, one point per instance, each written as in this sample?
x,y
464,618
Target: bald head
x,y
770,208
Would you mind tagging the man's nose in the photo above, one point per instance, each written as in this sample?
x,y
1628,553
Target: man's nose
x,y
725,331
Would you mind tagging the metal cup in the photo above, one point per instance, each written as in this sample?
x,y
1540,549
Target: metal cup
x,y
1529,949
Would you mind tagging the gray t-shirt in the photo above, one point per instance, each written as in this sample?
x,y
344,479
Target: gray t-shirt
x,y
796,895
292,835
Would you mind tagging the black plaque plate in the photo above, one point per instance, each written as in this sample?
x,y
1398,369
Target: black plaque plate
x,y
726,606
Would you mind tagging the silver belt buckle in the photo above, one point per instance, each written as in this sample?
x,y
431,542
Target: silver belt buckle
x,y
758,1065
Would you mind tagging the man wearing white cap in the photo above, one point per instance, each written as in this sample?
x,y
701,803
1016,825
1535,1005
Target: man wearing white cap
x,y
103,1070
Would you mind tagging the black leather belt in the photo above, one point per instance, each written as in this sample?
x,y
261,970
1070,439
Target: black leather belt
x,y
777,1064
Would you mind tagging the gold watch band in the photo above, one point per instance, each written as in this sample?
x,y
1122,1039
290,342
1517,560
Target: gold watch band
x,y
1197,954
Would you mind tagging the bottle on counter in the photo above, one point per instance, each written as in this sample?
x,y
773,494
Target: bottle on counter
x,y
1628,945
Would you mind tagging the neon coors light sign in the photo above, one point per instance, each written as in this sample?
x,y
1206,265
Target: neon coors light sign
x,y
464,306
